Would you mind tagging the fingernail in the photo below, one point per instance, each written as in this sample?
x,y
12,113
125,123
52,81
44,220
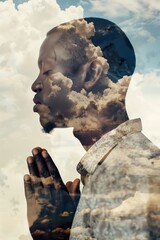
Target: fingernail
x,y
35,151
45,154
30,159
26,178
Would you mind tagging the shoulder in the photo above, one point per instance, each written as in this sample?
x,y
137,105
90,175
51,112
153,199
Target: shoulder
x,y
134,156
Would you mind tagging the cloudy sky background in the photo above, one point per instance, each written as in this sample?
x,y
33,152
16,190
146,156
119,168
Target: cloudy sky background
x,y
23,26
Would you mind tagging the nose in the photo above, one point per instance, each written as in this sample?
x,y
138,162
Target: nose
x,y
37,85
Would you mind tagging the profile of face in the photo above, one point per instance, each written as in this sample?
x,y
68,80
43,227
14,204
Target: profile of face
x,y
54,83
72,88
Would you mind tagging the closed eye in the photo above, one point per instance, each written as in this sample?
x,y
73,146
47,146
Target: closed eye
x,y
46,73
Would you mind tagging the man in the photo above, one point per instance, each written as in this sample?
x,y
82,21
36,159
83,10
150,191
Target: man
x,y
77,87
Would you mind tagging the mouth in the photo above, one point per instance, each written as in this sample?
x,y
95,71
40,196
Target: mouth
x,y
37,103
36,107
36,99
48,116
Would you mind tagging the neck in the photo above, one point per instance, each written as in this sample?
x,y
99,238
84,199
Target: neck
x,y
89,137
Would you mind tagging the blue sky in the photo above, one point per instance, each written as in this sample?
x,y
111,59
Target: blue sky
x,y
17,2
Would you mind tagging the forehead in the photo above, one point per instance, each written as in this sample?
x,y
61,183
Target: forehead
x,y
54,48
47,48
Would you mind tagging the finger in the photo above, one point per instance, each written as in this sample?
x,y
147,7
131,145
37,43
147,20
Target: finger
x,y
53,170
75,191
68,185
38,148
34,176
40,163
51,166
75,187
32,166
28,187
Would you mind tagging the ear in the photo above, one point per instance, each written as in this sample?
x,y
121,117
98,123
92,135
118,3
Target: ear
x,y
93,74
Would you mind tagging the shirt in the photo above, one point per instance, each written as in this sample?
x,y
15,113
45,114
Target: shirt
x,y
121,196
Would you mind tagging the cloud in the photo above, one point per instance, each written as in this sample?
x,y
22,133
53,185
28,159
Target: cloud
x,y
3,180
25,237
143,101
145,9
77,108
132,16
15,205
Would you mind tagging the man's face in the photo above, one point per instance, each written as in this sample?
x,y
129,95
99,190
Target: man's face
x,y
62,98
57,78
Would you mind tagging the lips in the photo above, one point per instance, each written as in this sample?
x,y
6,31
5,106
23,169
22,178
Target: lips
x,y
37,103
36,100
36,107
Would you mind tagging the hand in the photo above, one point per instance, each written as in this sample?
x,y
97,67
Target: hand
x,y
50,204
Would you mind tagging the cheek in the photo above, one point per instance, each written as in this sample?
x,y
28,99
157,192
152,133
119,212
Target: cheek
x,y
55,94
47,90
78,78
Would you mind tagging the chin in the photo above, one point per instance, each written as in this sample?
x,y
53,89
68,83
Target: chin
x,y
50,123
48,127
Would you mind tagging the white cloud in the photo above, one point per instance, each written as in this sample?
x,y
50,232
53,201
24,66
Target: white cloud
x,y
145,9
143,101
23,32
25,237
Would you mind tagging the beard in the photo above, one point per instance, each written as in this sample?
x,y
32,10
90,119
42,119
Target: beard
x,y
49,123
48,127
50,120
45,117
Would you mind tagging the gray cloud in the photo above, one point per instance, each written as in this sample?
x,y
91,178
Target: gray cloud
x,y
78,108
25,237
3,180
14,202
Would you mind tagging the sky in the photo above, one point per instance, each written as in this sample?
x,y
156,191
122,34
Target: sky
x,y
24,25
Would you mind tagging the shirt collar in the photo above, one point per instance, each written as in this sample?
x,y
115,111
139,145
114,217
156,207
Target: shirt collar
x,y
99,151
